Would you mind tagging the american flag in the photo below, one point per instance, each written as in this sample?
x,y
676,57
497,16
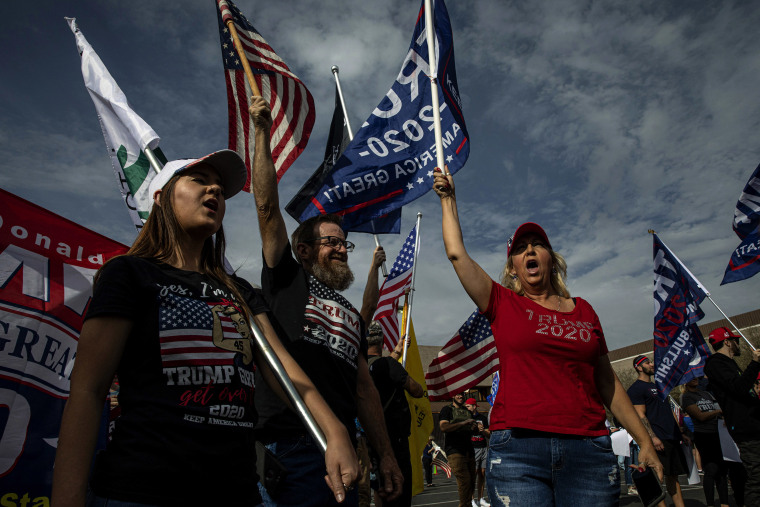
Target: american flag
x,y
185,333
399,279
469,357
291,103
443,465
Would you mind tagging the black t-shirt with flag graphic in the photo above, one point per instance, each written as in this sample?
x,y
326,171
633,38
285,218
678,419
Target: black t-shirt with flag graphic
x,y
185,434
325,335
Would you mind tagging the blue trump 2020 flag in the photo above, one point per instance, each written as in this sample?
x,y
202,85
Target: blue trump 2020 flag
x,y
390,162
679,348
337,141
745,261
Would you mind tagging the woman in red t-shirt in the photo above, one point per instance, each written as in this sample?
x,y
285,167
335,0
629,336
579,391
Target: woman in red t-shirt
x,y
549,444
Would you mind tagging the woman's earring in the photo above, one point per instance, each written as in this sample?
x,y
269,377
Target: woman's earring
x,y
554,270
514,277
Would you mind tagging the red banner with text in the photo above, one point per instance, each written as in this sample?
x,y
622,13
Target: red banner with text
x,y
46,268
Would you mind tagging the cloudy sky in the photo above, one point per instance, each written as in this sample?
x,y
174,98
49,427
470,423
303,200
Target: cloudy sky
x,y
598,120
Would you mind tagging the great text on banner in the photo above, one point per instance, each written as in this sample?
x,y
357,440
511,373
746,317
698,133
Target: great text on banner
x,y
46,269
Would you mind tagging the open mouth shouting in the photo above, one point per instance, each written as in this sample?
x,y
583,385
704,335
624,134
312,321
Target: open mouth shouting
x,y
531,266
212,204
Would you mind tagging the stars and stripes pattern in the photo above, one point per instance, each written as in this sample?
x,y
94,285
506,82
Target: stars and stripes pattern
x,y
330,314
443,465
291,103
469,357
185,328
398,281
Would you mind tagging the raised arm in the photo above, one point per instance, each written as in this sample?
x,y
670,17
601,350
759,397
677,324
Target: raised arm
x,y
274,235
101,344
616,399
340,458
475,281
372,289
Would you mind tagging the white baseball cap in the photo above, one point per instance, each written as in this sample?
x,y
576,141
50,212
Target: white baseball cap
x,y
228,163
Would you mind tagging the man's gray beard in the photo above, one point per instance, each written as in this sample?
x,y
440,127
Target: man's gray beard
x,y
337,277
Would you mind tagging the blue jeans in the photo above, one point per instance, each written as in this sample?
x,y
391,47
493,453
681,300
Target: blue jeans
x,y
528,468
305,483
633,459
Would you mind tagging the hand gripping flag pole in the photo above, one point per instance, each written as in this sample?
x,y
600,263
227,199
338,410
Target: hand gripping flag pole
x,y
261,341
707,293
432,62
410,294
335,71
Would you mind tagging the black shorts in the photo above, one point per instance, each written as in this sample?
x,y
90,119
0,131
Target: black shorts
x,y
672,458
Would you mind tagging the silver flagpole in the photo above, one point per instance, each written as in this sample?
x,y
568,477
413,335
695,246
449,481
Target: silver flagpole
x,y
287,385
335,71
154,163
433,69
408,323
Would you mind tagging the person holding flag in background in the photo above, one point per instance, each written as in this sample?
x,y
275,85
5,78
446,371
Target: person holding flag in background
x,y
544,337
734,391
176,328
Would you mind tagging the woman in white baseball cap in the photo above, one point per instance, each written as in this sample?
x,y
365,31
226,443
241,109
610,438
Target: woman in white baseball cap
x,y
174,325
549,444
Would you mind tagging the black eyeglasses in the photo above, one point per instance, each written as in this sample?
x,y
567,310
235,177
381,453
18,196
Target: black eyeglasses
x,y
334,242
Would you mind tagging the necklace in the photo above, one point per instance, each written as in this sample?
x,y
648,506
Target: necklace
x,y
559,301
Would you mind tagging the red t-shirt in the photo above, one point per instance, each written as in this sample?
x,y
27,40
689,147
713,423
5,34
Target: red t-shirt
x,y
547,364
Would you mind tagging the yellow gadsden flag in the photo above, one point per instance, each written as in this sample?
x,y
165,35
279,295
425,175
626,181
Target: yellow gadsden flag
x,y
422,416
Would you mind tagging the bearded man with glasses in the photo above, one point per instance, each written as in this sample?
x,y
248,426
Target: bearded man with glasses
x,y
323,332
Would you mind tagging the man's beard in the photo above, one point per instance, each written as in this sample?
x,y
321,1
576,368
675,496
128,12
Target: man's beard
x,y
338,277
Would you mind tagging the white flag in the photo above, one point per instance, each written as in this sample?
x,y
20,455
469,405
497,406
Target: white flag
x,y
126,134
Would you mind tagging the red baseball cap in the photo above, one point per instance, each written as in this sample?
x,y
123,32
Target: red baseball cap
x,y
720,334
524,229
471,401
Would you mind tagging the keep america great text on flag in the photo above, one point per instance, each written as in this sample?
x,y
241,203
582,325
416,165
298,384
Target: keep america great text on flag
x,y
390,162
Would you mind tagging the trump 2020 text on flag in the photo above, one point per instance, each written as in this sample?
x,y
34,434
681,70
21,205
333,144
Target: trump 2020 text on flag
x,y
291,103
125,133
469,357
390,162
745,260
46,269
679,348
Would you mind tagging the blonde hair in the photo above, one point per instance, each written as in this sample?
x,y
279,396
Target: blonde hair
x,y
559,274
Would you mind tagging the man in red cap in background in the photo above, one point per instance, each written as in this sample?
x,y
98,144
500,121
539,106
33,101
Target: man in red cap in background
x,y
741,408
479,439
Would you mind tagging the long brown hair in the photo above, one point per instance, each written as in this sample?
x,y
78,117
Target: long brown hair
x,y
158,240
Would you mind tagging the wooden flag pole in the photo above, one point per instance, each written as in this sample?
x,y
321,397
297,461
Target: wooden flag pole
x,y
241,53
335,71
